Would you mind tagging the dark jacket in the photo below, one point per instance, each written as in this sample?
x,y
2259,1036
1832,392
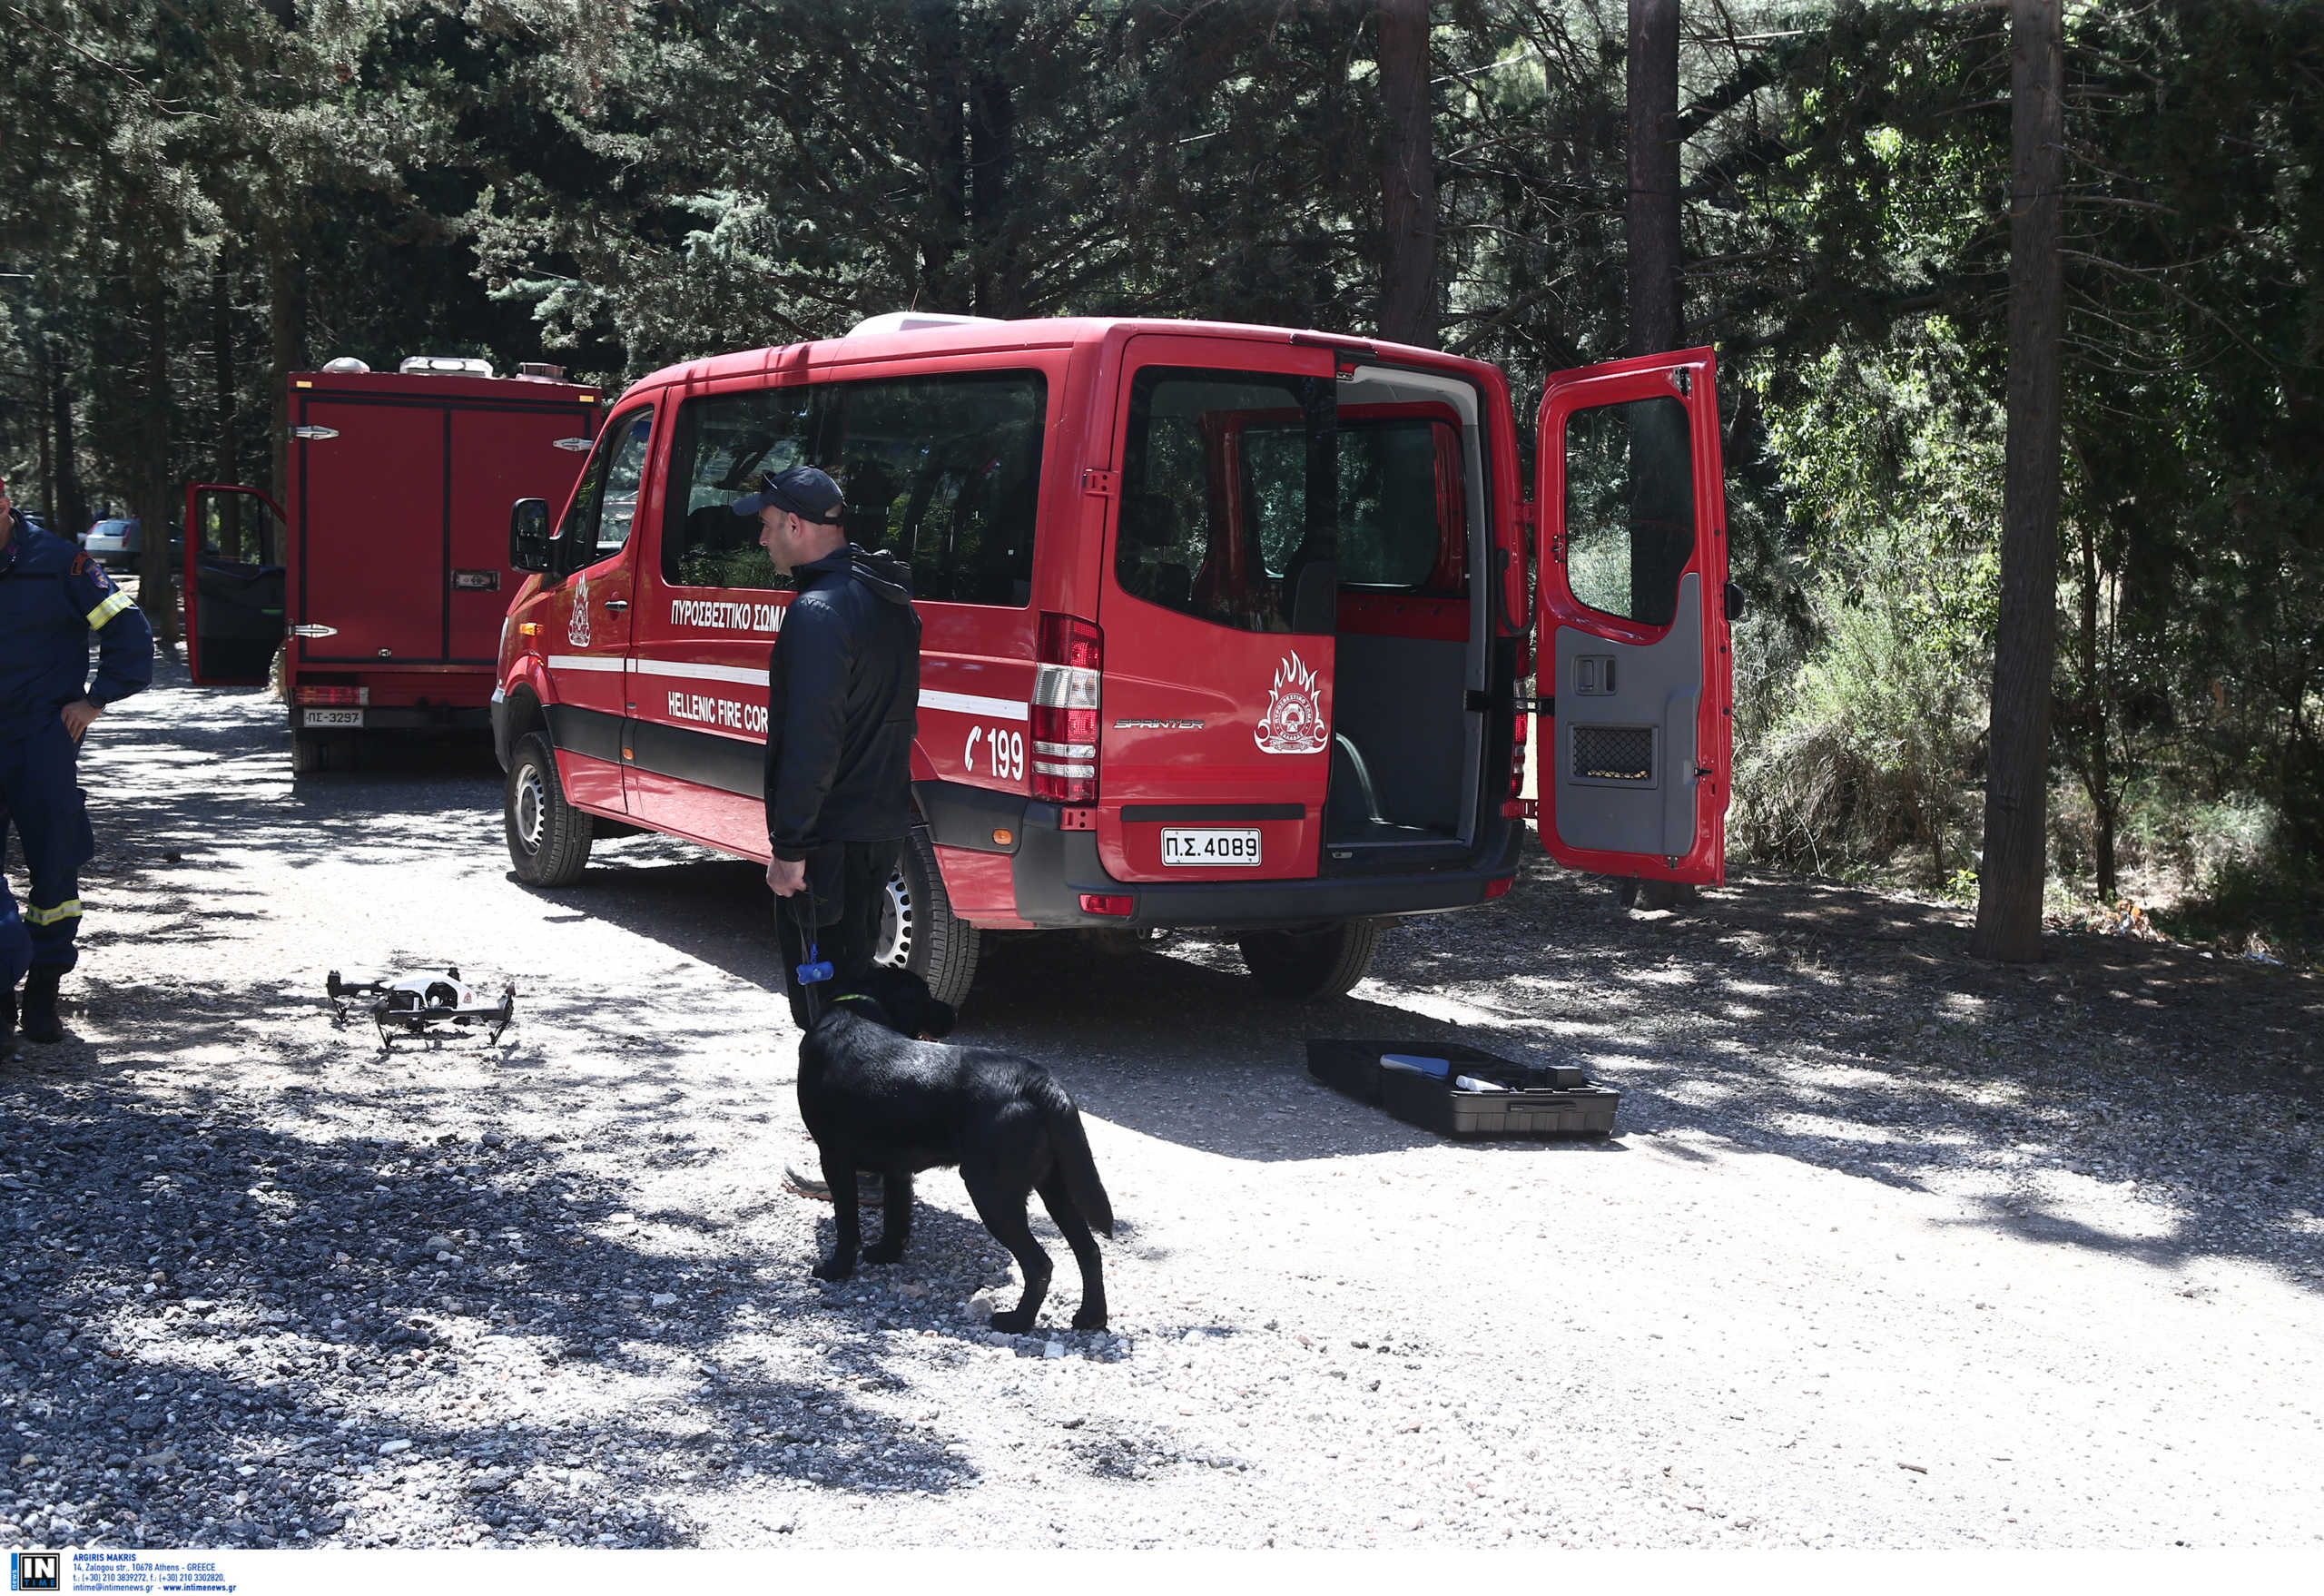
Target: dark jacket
x,y
52,597
842,690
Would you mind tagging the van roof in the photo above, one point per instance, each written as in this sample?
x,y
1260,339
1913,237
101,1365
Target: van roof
x,y
982,336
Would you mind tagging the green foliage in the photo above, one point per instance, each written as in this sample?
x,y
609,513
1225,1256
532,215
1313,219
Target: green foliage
x,y
630,183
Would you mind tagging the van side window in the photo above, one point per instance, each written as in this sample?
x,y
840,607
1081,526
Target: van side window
x,y
1211,518
1629,507
724,442
598,521
944,471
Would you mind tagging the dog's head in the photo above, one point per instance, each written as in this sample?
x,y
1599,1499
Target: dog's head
x,y
898,999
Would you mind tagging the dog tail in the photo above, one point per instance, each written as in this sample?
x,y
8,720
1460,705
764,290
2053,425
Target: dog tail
x,y
1073,1160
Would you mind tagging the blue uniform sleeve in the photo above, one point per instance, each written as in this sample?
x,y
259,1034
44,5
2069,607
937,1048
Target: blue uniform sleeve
x,y
124,639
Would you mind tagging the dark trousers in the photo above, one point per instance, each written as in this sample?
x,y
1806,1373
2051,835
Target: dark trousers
x,y
850,880
41,798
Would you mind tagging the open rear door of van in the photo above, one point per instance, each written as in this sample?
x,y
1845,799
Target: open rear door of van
x,y
1636,680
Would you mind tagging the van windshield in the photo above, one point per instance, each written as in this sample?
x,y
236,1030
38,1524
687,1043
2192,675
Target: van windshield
x,y
944,471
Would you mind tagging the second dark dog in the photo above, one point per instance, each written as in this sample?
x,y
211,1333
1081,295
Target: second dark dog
x,y
876,1100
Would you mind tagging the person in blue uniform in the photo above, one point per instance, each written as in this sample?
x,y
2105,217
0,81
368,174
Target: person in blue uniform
x,y
52,597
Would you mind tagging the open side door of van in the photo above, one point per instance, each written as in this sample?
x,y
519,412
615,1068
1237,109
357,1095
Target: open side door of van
x,y
233,583
1635,676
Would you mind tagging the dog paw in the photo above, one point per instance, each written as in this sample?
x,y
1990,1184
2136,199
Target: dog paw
x,y
1015,1321
833,1269
1085,1320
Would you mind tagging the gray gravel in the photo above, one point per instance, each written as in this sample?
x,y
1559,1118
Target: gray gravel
x,y
1891,1249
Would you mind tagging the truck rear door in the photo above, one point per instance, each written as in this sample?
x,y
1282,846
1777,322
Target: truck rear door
x,y
371,519
1635,674
1215,726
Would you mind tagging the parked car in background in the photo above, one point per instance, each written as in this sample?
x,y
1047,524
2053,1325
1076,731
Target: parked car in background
x,y
116,543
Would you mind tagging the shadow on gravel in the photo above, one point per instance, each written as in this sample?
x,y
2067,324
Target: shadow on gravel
x,y
217,1332
2131,1097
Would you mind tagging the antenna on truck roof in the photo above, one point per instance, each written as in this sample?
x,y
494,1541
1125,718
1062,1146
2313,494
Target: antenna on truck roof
x,y
915,321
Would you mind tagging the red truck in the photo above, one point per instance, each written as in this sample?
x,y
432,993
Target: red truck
x,y
1222,626
386,583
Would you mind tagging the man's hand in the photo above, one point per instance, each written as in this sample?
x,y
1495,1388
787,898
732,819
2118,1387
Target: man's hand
x,y
785,876
77,715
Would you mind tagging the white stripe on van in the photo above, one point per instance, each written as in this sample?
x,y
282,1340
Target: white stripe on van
x,y
584,661
708,672
999,709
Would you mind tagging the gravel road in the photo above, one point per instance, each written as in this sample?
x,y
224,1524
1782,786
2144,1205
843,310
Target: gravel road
x,y
1891,1248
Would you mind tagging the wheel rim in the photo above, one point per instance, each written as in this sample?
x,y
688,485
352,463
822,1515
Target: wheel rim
x,y
532,807
897,924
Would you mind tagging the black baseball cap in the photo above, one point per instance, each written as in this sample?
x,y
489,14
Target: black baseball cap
x,y
803,490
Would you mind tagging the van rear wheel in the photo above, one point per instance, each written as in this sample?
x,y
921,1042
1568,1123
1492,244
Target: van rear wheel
x,y
306,753
918,931
1306,966
549,839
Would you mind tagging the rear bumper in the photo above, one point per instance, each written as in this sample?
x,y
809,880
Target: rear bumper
x,y
392,717
1052,868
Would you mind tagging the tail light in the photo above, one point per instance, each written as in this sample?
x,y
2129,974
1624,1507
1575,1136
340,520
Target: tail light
x,y
1065,710
334,696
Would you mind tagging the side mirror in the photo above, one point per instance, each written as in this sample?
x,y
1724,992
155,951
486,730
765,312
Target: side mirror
x,y
528,541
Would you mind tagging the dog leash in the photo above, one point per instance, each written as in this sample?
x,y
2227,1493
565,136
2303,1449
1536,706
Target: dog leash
x,y
817,970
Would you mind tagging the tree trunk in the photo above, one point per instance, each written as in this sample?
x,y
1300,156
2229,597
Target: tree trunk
x,y
939,25
72,505
1407,177
2099,777
155,595
1662,539
2016,856
44,379
286,295
992,150
225,465
1653,211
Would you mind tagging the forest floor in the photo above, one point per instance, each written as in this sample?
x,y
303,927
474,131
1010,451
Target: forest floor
x,y
1891,1247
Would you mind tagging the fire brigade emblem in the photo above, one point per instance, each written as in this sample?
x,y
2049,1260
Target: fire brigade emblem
x,y
1293,723
577,630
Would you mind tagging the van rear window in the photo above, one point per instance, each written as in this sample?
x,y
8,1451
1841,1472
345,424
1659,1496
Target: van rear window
x,y
944,471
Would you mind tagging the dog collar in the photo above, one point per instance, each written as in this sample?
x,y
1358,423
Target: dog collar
x,y
855,998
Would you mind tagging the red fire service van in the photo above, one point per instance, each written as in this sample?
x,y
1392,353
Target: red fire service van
x,y
1222,626
391,584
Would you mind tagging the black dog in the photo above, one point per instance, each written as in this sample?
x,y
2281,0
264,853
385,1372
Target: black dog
x,y
875,1100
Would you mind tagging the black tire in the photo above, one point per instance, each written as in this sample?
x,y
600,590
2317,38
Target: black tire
x,y
918,930
1306,966
306,753
549,839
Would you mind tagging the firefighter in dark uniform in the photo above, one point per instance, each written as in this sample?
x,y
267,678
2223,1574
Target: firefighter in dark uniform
x,y
842,695
52,597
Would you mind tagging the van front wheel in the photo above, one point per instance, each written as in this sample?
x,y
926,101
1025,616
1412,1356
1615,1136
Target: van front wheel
x,y
919,931
1305,966
549,839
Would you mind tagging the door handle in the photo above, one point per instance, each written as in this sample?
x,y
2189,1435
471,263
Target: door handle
x,y
615,606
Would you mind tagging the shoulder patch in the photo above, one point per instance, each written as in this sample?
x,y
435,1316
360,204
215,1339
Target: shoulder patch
x,y
83,565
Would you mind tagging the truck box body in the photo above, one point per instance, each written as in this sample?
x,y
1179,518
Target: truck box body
x,y
394,554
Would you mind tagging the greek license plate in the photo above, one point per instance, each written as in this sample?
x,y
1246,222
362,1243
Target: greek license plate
x,y
334,717
1210,847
